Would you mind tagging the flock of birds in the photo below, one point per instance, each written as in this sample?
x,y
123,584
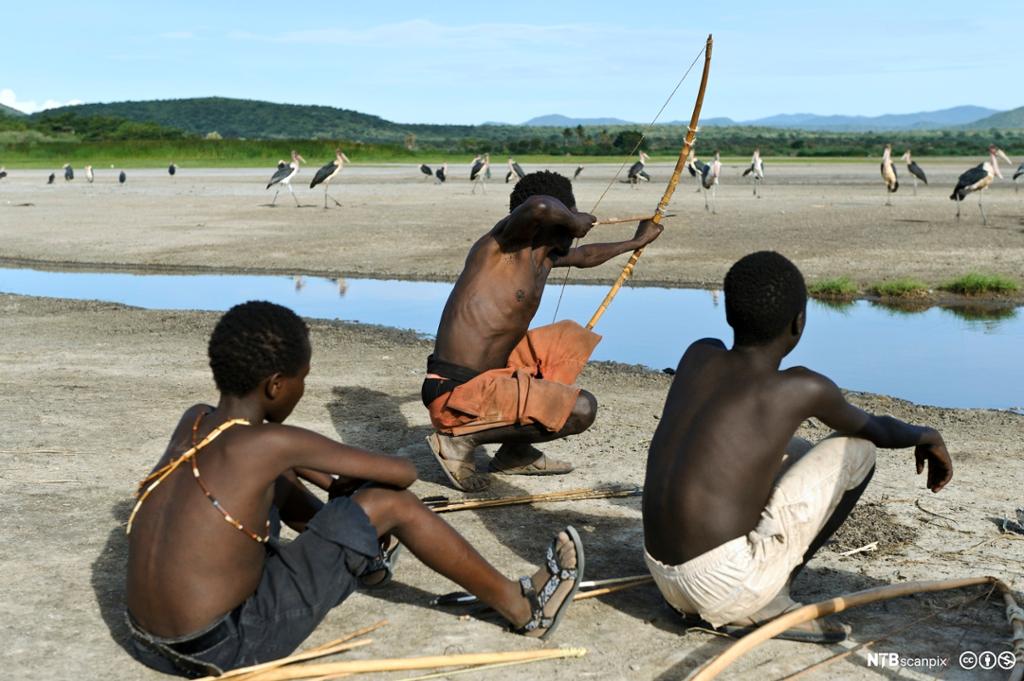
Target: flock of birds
x,y
974,180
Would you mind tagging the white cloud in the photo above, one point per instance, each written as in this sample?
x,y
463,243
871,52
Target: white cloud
x,y
8,98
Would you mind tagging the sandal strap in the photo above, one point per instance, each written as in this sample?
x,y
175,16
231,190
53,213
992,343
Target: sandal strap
x,y
537,618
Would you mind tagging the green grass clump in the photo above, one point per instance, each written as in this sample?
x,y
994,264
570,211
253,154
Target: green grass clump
x,y
835,288
904,287
974,283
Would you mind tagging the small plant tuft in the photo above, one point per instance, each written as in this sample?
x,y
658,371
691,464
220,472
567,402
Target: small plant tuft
x,y
975,283
904,287
837,288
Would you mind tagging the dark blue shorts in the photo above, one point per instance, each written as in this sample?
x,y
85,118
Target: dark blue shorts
x,y
302,580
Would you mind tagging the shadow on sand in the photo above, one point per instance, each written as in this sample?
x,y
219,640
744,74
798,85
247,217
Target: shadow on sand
x,y
108,575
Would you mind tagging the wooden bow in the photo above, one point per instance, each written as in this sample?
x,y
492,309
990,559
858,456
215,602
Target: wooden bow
x,y
691,133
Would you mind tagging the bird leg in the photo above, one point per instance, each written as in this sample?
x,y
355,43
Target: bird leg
x,y
915,185
706,207
274,201
336,202
984,220
714,194
958,210
292,192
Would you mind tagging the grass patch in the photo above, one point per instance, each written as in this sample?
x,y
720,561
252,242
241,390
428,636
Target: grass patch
x,y
974,283
900,288
837,288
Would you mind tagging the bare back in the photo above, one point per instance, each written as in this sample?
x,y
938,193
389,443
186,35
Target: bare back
x,y
716,451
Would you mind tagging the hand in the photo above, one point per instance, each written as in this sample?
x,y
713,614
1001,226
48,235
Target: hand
x,y
647,231
940,466
582,224
343,487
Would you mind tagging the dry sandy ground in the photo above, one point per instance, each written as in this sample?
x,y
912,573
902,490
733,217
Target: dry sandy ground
x,y
90,392
828,217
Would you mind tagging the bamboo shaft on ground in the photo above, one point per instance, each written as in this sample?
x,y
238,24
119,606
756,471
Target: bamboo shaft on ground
x,y
716,665
329,669
594,593
691,134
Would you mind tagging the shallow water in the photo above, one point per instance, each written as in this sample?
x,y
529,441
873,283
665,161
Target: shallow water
x,y
940,356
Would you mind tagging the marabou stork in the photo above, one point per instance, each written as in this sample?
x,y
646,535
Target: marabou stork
x,y
480,171
427,171
914,170
1019,173
171,169
757,169
514,169
442,173
52,177
579,169
69,173
696,169
122,177
636,171
709,180
89,177
892,183
328,173
978,178
285,173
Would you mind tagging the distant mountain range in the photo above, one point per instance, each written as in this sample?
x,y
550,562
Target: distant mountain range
x,y
1014,118
975,116
10,111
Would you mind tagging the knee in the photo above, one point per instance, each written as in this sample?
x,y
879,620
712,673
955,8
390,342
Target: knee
x,y
584,412
386,507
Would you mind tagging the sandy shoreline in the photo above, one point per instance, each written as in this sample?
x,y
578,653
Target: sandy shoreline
x,y
828,217
92,390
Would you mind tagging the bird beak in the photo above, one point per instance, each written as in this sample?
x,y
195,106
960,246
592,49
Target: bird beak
x,y
345,158
1001,154
300,158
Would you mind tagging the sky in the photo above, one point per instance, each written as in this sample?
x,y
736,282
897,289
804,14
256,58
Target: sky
x,y
462,62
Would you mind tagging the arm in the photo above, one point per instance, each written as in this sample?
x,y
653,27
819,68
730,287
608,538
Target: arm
x,y
832,409
296,504
544,212
301,448
593,255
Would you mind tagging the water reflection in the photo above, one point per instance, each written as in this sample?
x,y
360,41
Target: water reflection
x,y
964,356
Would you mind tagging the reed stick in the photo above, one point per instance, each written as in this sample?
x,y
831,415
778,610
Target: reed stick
x,y
807,613
467,670
330,669
594,593
548,497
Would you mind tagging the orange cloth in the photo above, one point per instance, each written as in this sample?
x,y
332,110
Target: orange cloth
x,y
536,386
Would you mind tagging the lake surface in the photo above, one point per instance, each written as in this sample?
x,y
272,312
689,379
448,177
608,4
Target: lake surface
x,y
940,356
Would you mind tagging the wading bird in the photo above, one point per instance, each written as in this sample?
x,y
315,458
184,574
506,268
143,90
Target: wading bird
x,y
757,169
442,173
89,177
285,173
978,178
69,173
426,170
171,169
480,171
53,176
514,169
579,169
328,173
709,181
696,169
914,170
636,171
122,177
1019,173
892,183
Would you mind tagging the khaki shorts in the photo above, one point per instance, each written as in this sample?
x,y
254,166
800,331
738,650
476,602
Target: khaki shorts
x,y
740,577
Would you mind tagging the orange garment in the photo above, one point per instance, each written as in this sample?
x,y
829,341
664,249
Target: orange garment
x,y
536,387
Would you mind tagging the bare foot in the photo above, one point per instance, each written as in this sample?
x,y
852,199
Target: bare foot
x,y
520,458
455,454
551,589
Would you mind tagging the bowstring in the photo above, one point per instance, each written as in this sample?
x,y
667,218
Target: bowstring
x,y
625,160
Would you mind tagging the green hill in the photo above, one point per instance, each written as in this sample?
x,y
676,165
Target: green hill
x,y
1012,119
10,111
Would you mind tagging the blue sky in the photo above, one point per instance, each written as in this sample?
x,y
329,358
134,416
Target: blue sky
x,y
456,62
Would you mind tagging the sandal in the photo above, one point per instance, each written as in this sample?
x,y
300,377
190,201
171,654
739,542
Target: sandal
x,y
462,474
381,570
557,575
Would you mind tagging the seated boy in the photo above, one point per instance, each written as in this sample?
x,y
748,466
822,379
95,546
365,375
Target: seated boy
x,y
211,587
729,520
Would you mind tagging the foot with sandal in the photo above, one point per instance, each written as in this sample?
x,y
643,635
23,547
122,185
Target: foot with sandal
x,y
491,378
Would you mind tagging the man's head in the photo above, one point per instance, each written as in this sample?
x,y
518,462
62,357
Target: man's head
x,y
255,341
765,298
544,183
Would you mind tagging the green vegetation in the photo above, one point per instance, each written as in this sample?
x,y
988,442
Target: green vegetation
x,y
900,288
974,284
837,288
1013,118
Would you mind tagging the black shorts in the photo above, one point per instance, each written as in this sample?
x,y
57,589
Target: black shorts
x,y
302,580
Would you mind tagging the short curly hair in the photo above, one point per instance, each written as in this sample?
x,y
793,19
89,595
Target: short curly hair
x,y
544,183
254,340
764,292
